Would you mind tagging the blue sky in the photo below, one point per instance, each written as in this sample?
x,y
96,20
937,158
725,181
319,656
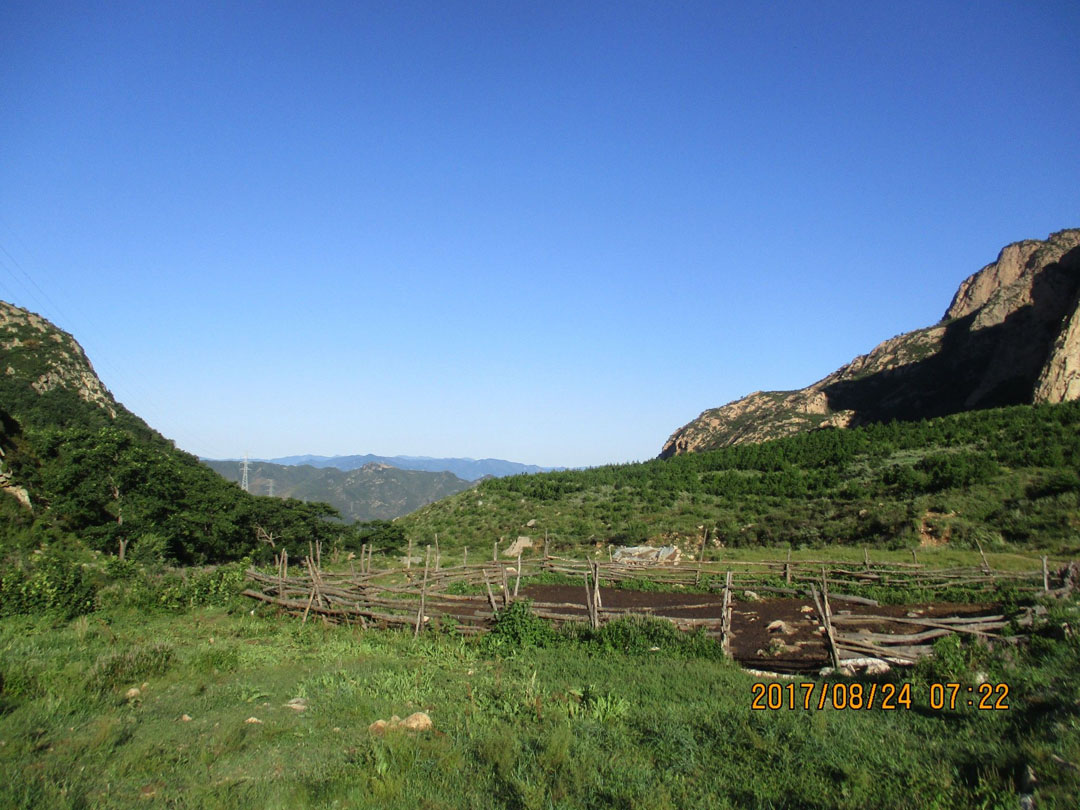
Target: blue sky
x,y
548,232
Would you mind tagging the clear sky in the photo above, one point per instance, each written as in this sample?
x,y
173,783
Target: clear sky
x,y
551,232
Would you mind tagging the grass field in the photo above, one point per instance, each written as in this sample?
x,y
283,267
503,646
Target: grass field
x,y
582,721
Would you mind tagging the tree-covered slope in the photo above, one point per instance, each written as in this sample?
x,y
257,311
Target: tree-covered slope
x,y
79,466
1005,476
372,492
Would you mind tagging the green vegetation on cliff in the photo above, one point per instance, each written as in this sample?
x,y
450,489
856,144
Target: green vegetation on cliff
x,y
1002,477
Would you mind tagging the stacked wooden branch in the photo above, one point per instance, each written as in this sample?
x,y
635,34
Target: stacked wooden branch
x,y
907,648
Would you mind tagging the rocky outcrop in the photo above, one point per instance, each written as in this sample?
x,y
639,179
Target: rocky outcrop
x,y
48,358
1011,335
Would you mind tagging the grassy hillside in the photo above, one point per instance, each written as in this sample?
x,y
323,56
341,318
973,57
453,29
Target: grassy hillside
x,y
1003,477
371,492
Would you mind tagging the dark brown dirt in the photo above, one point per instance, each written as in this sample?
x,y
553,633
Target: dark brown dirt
x,y
801,648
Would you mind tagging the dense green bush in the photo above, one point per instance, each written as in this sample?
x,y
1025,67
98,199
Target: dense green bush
x,y
518,628
50,583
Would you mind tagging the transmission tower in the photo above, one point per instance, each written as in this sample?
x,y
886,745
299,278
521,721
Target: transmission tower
x,y
244,465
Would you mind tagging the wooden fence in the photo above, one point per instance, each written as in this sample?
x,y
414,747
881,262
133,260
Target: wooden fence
x,y
419,597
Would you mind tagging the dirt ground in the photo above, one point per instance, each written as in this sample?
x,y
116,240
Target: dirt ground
x,y
795,646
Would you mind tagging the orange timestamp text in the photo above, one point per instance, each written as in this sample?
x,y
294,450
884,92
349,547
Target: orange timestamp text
x,y
774,696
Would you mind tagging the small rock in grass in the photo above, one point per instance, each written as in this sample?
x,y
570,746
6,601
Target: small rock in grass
x,y
185,718
253,721
297,704
132,693
750,596
418,721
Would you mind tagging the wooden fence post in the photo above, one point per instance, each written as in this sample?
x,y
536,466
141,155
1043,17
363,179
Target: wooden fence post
x,y
828,618
590,606
423,597
490,595
436,551
408,555
701,557
465,561
725,618
596,590
495,552
1046,576
787,567
517,582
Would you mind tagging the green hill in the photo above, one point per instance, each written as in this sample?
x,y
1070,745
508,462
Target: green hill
x,y
371,492
1002,477
78,467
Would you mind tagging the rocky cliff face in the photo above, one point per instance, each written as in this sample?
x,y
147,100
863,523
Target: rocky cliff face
x,y
36,353
1010,336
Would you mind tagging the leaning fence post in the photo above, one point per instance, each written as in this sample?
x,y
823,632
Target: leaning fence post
x,y
490,595
423,597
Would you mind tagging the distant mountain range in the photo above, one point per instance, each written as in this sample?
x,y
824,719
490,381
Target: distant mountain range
x,y
373,491
469,469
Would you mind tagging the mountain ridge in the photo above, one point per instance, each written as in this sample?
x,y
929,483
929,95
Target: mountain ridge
x,y
468,469
373,491
1010,335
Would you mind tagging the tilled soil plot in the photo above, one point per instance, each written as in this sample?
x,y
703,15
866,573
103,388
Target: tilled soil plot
x,y
781,635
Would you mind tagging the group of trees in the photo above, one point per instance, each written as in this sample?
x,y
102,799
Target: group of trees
x,y
123,493
1012,472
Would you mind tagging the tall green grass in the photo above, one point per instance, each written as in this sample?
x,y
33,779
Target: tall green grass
x,y
623,718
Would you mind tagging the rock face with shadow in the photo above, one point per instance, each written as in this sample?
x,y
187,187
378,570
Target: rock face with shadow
x,y
1010,336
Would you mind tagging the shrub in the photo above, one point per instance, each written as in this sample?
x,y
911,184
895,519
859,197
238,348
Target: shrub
x,y
518,628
